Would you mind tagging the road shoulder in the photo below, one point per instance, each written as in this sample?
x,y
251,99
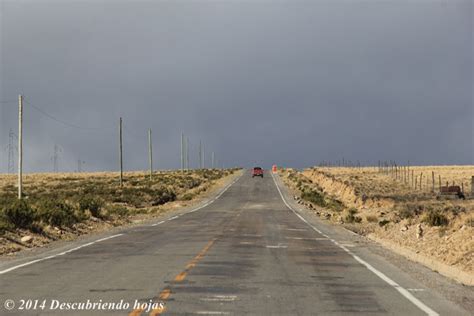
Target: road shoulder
x,y
426,284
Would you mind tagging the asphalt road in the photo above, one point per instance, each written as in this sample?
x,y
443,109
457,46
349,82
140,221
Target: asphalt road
x,y
246,253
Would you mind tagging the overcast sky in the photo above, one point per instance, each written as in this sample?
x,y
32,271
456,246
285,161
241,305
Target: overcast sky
x,y
259,82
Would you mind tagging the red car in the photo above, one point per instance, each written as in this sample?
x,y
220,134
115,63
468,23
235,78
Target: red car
x,y
257,172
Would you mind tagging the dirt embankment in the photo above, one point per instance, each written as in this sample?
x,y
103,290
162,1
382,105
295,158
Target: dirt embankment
x,y
436,232
66,206
346,193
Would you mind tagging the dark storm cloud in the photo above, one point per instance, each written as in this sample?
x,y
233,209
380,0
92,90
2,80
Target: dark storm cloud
x,y
259,82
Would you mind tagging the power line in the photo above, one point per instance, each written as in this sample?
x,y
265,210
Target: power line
x,y
61,121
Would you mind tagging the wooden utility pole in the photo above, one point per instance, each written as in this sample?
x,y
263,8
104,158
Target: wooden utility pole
x,y
203,157
200,155
150,153
182,152
20,146
121,152
187,153
433,178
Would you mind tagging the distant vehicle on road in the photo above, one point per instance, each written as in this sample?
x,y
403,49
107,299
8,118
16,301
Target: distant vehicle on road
x,y
257,172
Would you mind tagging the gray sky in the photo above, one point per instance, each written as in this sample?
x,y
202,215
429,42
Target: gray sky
x,y
259,82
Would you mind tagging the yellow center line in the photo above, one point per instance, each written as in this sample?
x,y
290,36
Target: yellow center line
x,y
190,265
136,312
166,293
180,277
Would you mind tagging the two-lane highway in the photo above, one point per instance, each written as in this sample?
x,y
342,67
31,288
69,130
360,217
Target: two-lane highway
x,y
247,253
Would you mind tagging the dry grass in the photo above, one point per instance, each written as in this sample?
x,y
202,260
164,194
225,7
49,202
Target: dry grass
x,y
392,209
370,182
105,184
64,205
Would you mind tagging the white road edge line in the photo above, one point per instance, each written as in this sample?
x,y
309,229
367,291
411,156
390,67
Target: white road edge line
x,y
202,206
159,223
57,255
110,237
394,284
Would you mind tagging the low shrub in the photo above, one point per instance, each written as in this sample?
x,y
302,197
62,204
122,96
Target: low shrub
x,y
335,205
383,222
56,213
314,197
119,210
17,213
470,222
435,218
455,210
92,204
351,216
130,196
187,197
5,225
406,212
162,196
372,218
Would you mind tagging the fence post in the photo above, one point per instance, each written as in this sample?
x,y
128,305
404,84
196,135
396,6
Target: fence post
x,y
433,178
472,186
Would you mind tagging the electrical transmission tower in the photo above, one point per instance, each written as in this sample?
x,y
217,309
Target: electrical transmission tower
x,y
55,157
79,165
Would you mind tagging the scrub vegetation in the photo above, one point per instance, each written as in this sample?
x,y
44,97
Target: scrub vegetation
x,y
376,205
74,203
